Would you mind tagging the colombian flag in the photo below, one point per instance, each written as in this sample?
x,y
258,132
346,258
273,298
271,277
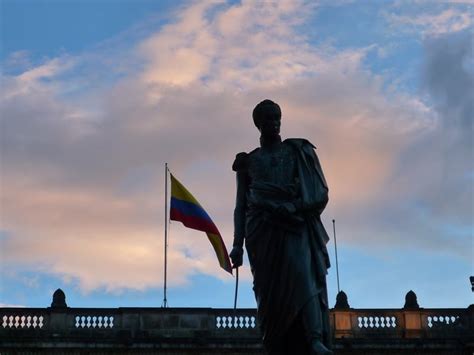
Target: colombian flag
x,y
185,208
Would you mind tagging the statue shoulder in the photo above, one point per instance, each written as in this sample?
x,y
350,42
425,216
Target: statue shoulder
x,y
241,161
300,143
308,155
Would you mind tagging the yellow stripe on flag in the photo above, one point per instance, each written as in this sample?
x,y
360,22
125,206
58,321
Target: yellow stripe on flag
x,y
180,192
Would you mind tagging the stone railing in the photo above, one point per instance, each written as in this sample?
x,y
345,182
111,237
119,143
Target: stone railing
x,y
346,323
185,328
128,318
403,323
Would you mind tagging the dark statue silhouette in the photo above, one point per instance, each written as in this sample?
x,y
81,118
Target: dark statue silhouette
x,y
281,193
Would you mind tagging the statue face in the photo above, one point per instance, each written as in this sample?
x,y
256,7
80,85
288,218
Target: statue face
x,y
270,122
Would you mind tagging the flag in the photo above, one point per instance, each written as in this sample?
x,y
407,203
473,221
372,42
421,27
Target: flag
x,y
185,208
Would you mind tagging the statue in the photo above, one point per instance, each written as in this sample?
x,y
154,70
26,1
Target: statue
x,y
281,193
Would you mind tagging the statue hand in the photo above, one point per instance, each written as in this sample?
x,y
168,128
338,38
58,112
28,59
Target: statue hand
x,y
236,255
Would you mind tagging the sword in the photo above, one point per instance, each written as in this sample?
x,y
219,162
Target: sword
x,y
235,296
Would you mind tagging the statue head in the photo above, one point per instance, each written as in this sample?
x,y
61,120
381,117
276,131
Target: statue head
x,y
267,118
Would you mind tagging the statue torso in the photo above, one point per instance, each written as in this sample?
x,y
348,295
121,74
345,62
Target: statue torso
x,y
272,177
275,165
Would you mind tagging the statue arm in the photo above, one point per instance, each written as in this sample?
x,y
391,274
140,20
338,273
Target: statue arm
x,y
239,211
240,167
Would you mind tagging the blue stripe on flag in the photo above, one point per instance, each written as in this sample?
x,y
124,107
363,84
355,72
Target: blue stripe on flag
x,y
189,209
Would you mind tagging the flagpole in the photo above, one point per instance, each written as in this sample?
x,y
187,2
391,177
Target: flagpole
x,y
335,247
165,301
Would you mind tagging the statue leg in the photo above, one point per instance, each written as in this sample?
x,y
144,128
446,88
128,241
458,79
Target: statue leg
x,y
312,318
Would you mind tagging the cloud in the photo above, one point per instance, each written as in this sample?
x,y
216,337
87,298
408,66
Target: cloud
x,y
82,173
239,45
448,77
432,185
17,61
427,23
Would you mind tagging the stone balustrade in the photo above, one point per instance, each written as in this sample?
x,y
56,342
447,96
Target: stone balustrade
x,y
183,330
401,323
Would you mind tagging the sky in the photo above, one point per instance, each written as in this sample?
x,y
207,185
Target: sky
x,y
96,96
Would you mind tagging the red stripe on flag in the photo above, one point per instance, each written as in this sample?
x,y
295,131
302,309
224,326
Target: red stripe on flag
x,y
193,222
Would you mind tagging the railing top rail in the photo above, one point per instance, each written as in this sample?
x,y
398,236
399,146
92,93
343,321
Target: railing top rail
x,y
194,310
189,310
23,309
231,309
357,310
421,309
